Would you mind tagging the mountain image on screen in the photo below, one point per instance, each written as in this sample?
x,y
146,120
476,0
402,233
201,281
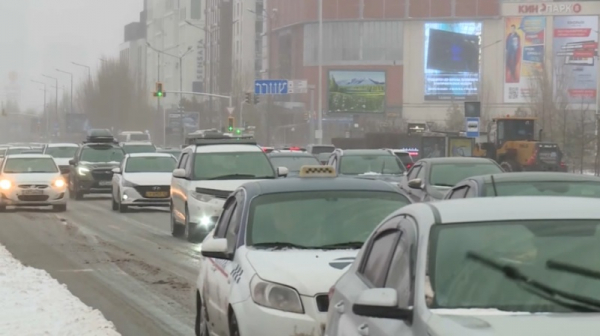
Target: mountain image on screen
x,y
453,52
356,91
358,81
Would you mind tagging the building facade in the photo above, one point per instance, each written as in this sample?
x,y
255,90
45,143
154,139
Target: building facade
x,y
133,49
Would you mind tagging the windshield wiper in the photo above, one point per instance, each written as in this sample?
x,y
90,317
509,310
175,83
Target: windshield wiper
x,y
443,185
232,177
281,245
571,268
266,177
341,246
559,297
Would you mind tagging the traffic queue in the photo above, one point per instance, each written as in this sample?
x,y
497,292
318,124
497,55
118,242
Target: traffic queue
x,y
326,241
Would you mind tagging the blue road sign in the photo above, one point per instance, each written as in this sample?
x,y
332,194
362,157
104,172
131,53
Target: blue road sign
x,y
270,86
472,127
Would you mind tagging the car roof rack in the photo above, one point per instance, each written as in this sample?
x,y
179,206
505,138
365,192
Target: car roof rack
x,y
217,138
100,140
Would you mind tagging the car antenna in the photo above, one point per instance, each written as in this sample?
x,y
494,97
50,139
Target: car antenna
x,y
494,185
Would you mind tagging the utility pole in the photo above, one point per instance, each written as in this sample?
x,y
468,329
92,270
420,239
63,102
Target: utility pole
x,y
56,94
70,74
45,110
311,119
320,63
89,69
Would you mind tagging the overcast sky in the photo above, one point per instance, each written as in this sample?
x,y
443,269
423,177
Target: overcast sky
x,y
38,36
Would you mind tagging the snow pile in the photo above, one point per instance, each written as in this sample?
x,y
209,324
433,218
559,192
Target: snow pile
x,y
32,303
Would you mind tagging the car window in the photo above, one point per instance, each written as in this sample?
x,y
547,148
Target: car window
x,y
294,163
413,172
460,192
102,153
545,188
404,157
30,165
322,149
129,149
401,273
361,164
61,152
378,259
150,165
449,174
234,225
223,222
471,192
421,173
183,161
139,137
232,166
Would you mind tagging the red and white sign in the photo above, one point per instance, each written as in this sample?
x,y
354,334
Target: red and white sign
x,y
550,8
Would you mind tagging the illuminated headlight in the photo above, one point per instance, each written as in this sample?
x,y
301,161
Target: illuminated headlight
x,y
60,183
202,197
5,184
275,296
205,221
82,170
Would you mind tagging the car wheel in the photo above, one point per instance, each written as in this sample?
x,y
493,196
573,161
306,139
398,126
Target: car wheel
x,y
115,205
201,327
59,208
190,228
122,207
2,208
234,329
176,229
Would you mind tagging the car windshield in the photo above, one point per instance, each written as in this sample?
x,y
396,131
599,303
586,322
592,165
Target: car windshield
x,y
377,163
322,149
232,166
529,246
139,137
319,218
130,149
30,165
449,174
545,188
150,165
16,150
294,163
61,152
100,153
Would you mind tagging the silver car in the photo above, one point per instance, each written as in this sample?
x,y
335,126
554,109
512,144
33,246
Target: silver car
x,y
470,267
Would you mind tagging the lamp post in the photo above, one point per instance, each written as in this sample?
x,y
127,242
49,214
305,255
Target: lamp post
x,y
45,110
71,103
56,94
320,82
87,67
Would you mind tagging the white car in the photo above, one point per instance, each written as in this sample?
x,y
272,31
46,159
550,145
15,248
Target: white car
x,y
142,180
206,174
62,154
32,180
494,266
279,246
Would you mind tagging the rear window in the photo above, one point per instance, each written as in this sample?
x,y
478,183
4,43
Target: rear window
x,y
546,188
139,137
404,157
16,150
449,174
129,149
322,149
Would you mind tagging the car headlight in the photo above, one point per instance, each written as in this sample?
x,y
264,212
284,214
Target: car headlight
x,y
128,184
5,184
275,296
60,183
202,197
82,170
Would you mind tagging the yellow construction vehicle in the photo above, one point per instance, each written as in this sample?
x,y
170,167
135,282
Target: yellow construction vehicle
x,y
511,142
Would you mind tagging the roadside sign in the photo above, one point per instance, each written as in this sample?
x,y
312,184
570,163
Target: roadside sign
x,y
270,86
472,127
230,110
297,86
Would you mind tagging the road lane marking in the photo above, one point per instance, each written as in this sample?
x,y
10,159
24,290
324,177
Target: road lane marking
x,y
77,270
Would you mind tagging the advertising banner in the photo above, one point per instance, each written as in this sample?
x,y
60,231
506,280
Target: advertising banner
x,y
433,147
452,53
575,49
460,147
523,56
356,91
191,122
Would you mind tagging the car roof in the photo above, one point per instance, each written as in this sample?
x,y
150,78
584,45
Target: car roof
x,y
149,155
458,159
20,147
365,152
136,143
132,132
290,154
62,145
536,177
227,148
29,156
283,185
481,209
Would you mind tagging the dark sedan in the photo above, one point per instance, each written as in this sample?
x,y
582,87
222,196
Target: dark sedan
x,y
431,179
292,160
527,184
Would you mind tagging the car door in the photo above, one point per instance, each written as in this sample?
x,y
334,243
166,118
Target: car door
x,y
333,162
370,273
458,192
179,192
73,169
473,190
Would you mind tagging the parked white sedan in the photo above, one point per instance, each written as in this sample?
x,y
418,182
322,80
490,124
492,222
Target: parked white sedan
x,y
142,180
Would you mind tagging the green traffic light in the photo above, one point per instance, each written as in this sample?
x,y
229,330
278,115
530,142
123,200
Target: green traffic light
x,y
230,128
238,131
159,94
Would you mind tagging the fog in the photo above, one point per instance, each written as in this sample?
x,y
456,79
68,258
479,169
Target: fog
x,y
39,36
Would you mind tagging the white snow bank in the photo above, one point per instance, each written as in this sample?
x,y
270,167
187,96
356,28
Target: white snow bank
x,y
32,303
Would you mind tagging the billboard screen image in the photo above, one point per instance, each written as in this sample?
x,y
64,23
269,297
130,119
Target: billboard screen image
x,y
452,51
356,91
575,49
523,56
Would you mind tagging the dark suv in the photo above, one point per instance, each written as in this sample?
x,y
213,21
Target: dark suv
x,y
375,163
91,168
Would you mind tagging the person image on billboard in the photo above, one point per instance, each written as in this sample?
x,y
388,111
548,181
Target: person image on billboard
x,y
513,55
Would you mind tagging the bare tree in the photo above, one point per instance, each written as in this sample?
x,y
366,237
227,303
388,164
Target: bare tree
x,y
455,118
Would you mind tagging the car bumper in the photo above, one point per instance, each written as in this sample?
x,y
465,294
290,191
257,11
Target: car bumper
x,y
201,213
130,196
545,167
257,320
94,186
50,196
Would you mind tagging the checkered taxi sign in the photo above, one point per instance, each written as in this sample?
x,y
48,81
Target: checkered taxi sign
x,y
317,171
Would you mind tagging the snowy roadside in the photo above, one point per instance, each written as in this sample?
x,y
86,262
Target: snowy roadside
x,y
33,303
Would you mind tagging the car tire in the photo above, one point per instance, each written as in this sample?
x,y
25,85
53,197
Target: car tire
x,y
123,208
201,325
190,228
59,208
115,205
176,229
2,208
234,329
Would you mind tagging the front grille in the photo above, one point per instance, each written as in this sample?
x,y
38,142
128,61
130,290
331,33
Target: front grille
x,y
33,198
322,302
147,191
102,174
33,186
64,169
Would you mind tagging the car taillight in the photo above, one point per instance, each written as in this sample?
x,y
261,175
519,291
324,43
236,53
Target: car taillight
x,y
532,160
563,164
409,165
331,291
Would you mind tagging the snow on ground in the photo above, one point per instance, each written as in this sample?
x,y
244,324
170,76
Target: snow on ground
x,y
32,303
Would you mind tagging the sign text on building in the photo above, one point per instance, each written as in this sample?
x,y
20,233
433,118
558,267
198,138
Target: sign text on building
x,y
543,8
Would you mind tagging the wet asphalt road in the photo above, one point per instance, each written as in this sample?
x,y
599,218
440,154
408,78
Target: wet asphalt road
x,y
126,265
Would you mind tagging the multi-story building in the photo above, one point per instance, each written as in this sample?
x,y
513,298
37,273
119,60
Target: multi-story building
x,y
175,32
133,49
219,28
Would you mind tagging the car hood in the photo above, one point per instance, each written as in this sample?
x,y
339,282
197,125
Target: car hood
x,y
154,179
437,192
275,266
62,161
226,185
382,177
471,322
99,165
42,178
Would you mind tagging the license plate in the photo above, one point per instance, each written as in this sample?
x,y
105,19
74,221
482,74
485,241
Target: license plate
x,y
33,192
157,194
105,183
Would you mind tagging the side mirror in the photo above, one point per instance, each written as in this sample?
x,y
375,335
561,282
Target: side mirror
x,y
72,162
215,248
116,170
415,184
380,303
282,171
179,173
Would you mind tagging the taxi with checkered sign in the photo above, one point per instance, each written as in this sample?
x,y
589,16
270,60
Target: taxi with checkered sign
x,y
278,247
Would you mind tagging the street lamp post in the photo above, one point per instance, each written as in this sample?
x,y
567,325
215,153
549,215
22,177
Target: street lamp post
x,y
45,110
71,103
87,67
56,94
320,82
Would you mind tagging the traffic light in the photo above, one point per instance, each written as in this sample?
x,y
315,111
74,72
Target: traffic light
x,y
248,98
238,131
230,122
256,100
159,92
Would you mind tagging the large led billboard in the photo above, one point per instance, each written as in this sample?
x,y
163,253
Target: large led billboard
x,y
452,53
356,91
